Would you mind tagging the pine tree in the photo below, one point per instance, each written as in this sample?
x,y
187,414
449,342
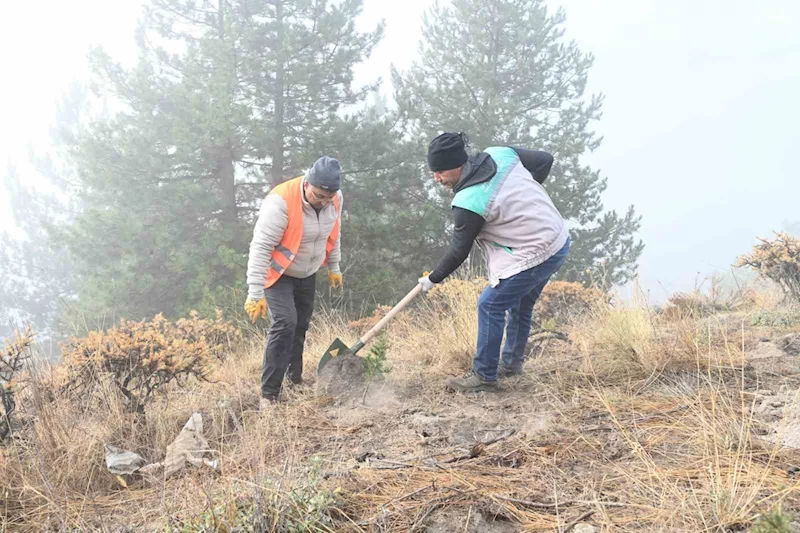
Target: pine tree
x,y
36,275
500,71
227,98
37,285
392,229
298,71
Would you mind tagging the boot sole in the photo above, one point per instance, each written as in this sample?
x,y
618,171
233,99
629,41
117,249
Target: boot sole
x,y
479,388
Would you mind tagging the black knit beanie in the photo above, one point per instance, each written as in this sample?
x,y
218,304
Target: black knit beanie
x,y
447,151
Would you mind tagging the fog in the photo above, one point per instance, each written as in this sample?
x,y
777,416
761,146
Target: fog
x,y
698,126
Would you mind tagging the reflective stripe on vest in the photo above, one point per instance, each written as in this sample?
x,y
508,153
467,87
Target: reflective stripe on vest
x,y
286,251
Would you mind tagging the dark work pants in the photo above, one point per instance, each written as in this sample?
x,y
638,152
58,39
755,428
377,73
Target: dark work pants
x,y
290,302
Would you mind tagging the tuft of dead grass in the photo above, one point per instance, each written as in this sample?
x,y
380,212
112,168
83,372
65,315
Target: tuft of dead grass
x,y
619,340
439,335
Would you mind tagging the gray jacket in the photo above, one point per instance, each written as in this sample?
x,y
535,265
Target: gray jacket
x,y
273,218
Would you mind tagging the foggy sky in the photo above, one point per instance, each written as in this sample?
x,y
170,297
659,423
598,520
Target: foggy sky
x,y
699,121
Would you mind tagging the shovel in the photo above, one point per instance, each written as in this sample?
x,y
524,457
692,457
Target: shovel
x,y
338,348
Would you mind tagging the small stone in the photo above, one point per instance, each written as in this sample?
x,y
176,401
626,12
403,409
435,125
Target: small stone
x,y
583,527
763,407
363,456
790,344
224,403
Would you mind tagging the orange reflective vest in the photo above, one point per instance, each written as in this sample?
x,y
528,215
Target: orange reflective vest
x,y
285,252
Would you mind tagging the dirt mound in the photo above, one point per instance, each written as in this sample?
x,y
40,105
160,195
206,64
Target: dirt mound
x,y
343,381
342,378
766,349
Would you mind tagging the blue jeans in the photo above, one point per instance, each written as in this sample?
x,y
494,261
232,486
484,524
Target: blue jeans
x,y
517,295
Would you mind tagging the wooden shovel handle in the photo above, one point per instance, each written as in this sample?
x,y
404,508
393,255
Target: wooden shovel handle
x,y
396,309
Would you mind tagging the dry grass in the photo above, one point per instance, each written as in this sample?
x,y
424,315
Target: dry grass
x,y
639,423
439,336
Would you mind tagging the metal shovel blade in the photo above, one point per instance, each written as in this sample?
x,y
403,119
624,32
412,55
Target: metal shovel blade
x,y
336,349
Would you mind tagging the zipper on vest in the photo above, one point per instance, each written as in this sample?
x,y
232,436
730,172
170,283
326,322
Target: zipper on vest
x,y
316,241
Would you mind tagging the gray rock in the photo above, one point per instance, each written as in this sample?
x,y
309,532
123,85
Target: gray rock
x,y
790,344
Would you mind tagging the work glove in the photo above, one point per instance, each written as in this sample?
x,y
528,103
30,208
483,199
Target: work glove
x,y
335,279
256,308
426,282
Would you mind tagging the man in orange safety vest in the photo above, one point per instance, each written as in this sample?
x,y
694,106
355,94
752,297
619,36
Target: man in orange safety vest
x,y
297,232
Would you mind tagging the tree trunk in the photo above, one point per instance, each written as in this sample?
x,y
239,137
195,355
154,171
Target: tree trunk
x,y
227,183
278,160
221,22
225,172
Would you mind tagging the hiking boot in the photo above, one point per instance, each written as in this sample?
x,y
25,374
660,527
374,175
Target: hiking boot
x,y
508,372
471,382
267,402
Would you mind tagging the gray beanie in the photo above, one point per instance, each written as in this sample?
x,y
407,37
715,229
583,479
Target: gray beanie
x,y
324,174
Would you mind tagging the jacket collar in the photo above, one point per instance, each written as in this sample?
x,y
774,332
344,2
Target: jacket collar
x,y
303,192
478,169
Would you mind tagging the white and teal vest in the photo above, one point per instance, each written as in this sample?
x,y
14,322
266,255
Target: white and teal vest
x,y
523,228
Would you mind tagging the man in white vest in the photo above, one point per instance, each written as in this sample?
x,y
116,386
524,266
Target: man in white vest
x,y
501,206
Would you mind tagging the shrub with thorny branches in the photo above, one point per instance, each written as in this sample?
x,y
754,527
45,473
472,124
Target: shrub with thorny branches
x,y
142,357
779,260
564,300
12,362
218,334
